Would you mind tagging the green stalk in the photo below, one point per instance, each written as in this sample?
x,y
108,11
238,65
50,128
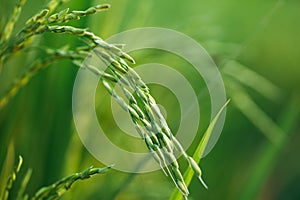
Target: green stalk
x,y
34,69
57,189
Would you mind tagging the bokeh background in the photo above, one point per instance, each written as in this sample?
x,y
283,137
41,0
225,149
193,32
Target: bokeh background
x,y
256,47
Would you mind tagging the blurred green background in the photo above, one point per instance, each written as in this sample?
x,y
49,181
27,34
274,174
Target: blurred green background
x,y
256,46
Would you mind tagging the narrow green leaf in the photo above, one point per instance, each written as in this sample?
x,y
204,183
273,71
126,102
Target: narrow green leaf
x,y
252,79
254,113
188,175
21,191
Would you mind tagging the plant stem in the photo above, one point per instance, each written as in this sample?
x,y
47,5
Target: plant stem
x,y
57,189
36,67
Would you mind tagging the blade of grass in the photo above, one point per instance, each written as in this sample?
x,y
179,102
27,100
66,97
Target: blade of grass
x,y
254,113
252,79
188,175
21,191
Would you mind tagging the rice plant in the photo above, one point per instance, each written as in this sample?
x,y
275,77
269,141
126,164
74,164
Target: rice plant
x,y
54,191
255,46
142,107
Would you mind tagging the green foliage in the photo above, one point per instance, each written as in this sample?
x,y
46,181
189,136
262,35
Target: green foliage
x,y
12,179
57,189
198,155
255,44
146,115
41,23
54,191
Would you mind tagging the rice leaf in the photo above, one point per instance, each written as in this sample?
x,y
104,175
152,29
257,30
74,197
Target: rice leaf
x,y
188,175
